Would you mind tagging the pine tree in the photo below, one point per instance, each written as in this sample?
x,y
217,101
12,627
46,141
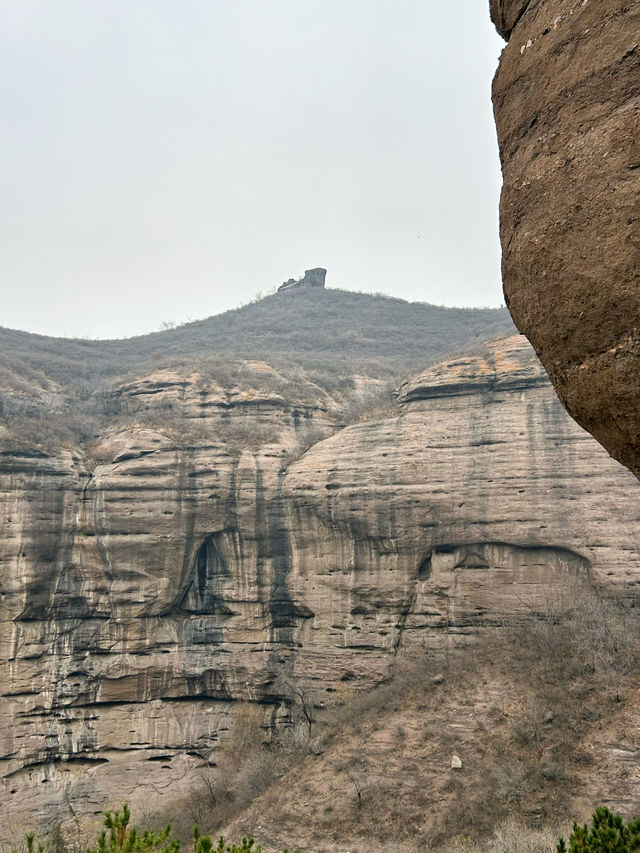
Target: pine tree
x,y
124,838
607,834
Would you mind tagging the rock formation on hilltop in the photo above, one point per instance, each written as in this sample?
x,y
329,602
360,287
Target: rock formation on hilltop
x,y
567,106
311,278
153,585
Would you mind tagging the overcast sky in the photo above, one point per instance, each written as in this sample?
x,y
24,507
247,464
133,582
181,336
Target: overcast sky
x,y
165,160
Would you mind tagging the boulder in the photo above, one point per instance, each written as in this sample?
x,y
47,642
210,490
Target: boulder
x,y
566,98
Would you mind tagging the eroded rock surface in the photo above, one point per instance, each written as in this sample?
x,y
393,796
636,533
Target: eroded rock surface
x,y
151,586
311,278
567,106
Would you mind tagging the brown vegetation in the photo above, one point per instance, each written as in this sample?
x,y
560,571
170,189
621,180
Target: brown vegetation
x,y
56,392
530,708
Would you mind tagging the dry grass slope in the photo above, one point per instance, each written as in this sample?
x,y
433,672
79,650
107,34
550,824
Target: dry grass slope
x,y
55,391
540,714
323,329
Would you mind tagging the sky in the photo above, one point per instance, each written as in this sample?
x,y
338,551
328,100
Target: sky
x,y
164,161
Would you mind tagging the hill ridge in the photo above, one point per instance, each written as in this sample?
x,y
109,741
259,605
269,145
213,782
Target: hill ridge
x,y
337,329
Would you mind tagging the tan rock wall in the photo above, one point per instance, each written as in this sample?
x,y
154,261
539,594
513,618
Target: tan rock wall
x,y
145,598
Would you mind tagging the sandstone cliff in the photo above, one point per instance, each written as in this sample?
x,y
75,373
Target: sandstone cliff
x,y
566,99
232,537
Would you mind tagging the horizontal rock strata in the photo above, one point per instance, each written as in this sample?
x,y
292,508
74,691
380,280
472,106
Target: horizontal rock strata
x,y
153,585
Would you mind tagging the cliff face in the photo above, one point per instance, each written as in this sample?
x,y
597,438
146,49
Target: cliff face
x,y
566,99
150,587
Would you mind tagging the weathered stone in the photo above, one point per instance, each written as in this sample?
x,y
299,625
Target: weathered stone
x,y
149,590
506,13
311,278
566,99
549,767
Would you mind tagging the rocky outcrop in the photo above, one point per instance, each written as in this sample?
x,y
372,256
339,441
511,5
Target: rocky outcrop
x,y
229,539
311,278
566,99
506,13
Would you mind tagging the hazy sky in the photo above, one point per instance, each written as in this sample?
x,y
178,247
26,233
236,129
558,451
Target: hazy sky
x,y
166,160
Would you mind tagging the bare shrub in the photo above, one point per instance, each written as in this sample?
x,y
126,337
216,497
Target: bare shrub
x,y
240,435
378,403
248,765
588,636
306,439
97,453
298,698
511,778
518,838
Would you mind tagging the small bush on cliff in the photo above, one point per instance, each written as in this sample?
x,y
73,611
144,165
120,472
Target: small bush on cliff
x,y
607,834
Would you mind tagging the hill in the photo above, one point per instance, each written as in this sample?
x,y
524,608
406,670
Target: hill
x,y
313,328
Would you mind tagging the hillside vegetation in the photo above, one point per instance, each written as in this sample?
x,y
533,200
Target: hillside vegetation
x,y
330,330
540,714
59,392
